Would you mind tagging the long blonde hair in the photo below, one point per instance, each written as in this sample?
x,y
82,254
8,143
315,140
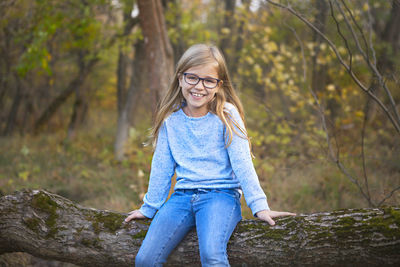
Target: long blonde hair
x,y
196,55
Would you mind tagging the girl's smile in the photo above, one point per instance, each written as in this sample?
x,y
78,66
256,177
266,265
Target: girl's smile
x,y
198,96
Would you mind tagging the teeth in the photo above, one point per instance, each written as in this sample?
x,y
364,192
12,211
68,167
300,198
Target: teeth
x,y
198,95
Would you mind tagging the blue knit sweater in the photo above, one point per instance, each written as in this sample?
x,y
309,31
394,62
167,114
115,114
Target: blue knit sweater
x,y
194,148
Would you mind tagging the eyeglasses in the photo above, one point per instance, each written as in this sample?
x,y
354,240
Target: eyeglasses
x,y
193,79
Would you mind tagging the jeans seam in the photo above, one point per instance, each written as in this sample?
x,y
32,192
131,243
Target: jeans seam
x,y
226,237
169,238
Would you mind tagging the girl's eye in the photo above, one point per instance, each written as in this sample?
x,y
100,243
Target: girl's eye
x,y
210,81
191,77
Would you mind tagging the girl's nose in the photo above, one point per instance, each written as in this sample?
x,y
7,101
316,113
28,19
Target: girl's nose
x,y
200,85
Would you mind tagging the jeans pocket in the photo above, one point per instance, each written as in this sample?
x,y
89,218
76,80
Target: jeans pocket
x,y
231,192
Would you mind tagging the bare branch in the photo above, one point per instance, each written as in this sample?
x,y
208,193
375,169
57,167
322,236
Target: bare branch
x,y
334,158
389,195
341,35
350,27
394,120
373,68
363,155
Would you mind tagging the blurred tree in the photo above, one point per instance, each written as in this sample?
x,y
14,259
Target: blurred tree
x,y
127,92
157,59
227,27
48,50
157,47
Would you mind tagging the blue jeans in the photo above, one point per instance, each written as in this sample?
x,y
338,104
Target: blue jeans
x,y
215,214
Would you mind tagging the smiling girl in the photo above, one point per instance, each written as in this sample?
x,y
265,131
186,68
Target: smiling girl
x,y
200,135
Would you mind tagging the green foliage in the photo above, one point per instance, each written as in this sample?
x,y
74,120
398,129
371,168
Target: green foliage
x,y
274,55
72,26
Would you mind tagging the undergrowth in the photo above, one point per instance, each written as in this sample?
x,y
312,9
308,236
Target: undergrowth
x,y
84,170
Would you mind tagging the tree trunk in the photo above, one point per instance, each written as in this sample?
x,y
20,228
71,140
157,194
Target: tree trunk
x,y
229,23
121,79
385,64
124,119
52,227
319,72
79,112
84,71
13,114
125,95
178,43
158,48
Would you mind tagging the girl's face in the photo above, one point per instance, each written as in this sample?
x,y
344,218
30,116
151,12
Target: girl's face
x,y
198,95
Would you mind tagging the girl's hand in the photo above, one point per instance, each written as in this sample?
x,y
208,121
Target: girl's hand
x,y
135,214
267,215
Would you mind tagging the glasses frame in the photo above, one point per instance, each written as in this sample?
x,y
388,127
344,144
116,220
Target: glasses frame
x,y
201,79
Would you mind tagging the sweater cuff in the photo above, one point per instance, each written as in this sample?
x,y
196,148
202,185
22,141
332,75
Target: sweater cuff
x,y
147,211
259,205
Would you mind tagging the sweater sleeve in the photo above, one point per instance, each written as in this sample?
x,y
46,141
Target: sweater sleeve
x,y
162,170
242,166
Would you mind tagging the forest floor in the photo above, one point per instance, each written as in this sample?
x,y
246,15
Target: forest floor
x,y
84,170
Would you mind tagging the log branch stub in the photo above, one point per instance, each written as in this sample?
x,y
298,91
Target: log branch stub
x,y
51,227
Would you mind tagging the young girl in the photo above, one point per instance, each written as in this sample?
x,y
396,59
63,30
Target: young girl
x,y
199,133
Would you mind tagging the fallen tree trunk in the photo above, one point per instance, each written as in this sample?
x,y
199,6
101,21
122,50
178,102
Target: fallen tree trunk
x,y
52,227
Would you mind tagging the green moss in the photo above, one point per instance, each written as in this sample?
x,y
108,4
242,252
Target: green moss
x,y
96,227
323,235
32,223
387,224
395,214
111,222
384,226
277,234
318,219
292,224
141,234
246,227
44,203
265,230
346,221
93,242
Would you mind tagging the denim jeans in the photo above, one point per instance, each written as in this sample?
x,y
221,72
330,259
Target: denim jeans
x,y
215,214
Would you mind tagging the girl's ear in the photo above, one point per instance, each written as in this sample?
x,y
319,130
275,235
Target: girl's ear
x,y
180,76
219,86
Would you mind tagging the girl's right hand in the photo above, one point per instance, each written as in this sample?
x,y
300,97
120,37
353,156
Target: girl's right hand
x,y
135,214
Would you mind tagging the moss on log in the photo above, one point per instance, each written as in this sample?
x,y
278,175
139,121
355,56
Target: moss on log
x,y
52,227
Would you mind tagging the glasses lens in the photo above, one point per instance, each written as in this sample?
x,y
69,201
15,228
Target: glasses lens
x,y
191,79
210,83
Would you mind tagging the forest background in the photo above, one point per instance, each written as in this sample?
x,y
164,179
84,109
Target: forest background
x,y
319,80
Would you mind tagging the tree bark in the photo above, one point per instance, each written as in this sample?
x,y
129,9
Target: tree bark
x,y
52,227
158,47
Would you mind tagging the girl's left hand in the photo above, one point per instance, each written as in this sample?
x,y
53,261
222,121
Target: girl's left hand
x,y
135,214
267,215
